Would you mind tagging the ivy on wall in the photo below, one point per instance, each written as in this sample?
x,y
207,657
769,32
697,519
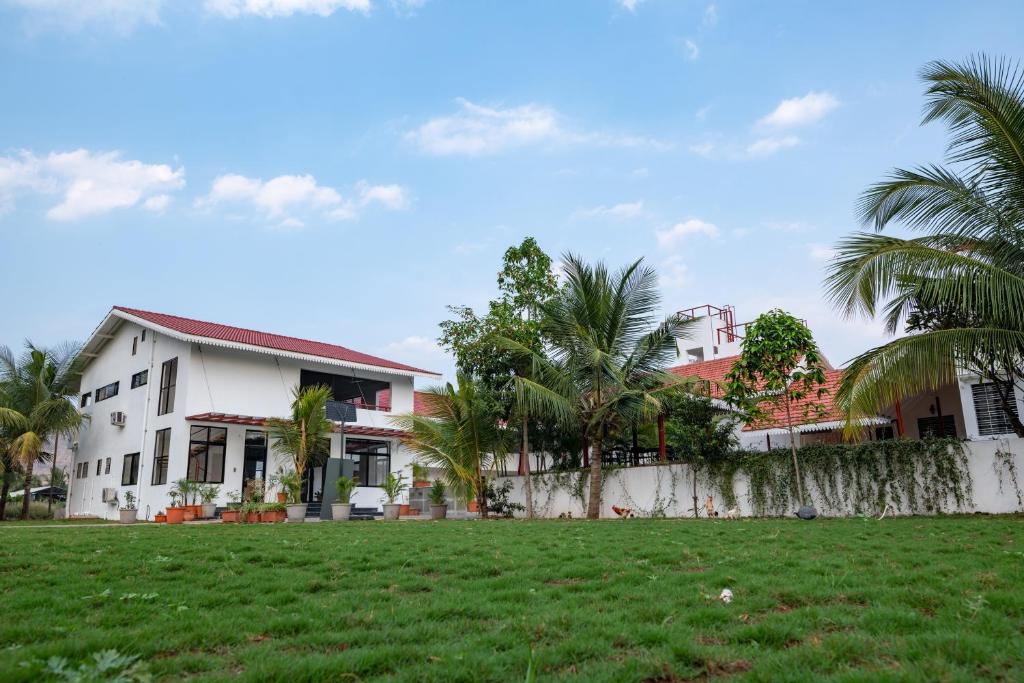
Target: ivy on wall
x,y
1004,464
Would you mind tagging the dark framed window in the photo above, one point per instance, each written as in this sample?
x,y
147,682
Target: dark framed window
x,y
130,470
368,394
99,467
206,454
936,426
371,460
161,456
143,335
84,401
139,379
988,408
78,470
135,345
109,391
168,381
85,469
106,469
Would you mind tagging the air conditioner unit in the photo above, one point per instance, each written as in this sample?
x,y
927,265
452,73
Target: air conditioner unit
x,y
118,418
74,447
109,495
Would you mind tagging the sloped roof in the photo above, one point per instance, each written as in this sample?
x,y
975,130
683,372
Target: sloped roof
x,y
255,339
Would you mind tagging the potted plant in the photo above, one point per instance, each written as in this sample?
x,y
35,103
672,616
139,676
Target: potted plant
x,y
292,485
274,512
186,490
208,494
175,513
393,486
302,438
233,514
438,501
160,518
342,509
420,476
128,514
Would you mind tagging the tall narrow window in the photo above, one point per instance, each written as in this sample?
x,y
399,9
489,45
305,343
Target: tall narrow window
x,y
161,456
135,345
143,335
206,454
130,470
106,469
99,467
988,407
168,380
84,401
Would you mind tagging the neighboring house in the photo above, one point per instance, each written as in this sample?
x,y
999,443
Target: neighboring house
x,y
172,398
714,345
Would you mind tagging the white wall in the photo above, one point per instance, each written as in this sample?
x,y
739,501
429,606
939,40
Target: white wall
x,y
669,487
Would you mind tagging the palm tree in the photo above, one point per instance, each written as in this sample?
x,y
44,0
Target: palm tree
x,y
606,355
38,389
302,437
460,434
964,277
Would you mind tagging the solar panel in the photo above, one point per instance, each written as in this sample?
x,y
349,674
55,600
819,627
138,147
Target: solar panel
x,y
339,411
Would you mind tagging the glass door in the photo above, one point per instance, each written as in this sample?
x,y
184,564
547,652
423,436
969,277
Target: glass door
x,y
255,464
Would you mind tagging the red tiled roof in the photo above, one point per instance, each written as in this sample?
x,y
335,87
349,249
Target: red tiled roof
x,y
265,340
419,403
254,421
802,412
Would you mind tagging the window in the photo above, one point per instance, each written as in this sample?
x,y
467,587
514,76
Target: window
x,y
99,467
78,470
135,345
935,426
143,335
139,379
130,470
161,456
106,469
84,401
83,470
206,454
988,407
371,460
109,391
884,433
168,380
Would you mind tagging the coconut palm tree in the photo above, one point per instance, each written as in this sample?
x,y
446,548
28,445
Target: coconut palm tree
x,y
964,275
460,434
38,388
303,436
606,355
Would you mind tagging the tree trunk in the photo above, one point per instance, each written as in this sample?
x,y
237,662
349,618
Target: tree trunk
x,y
527,484
693,468
28,488
53,472
3,495
481,496
792,448
594,504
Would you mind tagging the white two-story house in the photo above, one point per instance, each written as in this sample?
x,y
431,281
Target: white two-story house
x,y
171,398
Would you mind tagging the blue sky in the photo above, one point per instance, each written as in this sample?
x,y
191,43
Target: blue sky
x,y
344,169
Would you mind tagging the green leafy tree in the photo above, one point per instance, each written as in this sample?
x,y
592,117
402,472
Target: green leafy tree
x,y
959,286
779,365
38,388
525,280
698,433
605,355
460,434
304,437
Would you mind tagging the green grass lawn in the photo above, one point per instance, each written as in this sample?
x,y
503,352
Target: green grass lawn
x,y
633,600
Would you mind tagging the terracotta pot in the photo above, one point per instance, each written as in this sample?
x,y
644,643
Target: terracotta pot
x,y
282,498
187,514
274,516
405,510
160,518
421,484
197,511
230,516
175,515
473,507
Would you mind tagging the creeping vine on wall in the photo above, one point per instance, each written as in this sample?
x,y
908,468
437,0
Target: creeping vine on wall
x,y
1004,463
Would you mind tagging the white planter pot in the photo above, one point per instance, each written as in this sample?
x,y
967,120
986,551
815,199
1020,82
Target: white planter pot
x,y
340,512
391,511
128,516
439,511
209,510
296,512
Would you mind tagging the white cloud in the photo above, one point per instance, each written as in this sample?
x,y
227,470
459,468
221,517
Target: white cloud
x,y
467,248
705,149
157,203
621,211
772,144
692,50
680,231
629,5
90,182
407,8
800,111
475,130
702,113
286,198
269,9
75,15
821,252
710,15
788,226
415,343
673,273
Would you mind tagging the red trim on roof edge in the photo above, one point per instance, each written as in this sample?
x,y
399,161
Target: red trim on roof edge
x,y
253,421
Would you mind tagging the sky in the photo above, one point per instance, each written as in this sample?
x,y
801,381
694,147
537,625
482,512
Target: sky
x,y
343,170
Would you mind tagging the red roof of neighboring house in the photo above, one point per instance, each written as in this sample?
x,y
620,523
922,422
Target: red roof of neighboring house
x,y
802,410
267,340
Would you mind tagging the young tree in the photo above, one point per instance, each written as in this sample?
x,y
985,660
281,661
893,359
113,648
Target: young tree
x,y
779,364
605,355
305,435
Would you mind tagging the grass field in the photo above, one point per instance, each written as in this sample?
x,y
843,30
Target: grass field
x,y
899,599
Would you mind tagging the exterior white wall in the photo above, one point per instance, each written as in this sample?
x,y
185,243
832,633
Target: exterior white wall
x,y
671,486
970,418
703,334
209,379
